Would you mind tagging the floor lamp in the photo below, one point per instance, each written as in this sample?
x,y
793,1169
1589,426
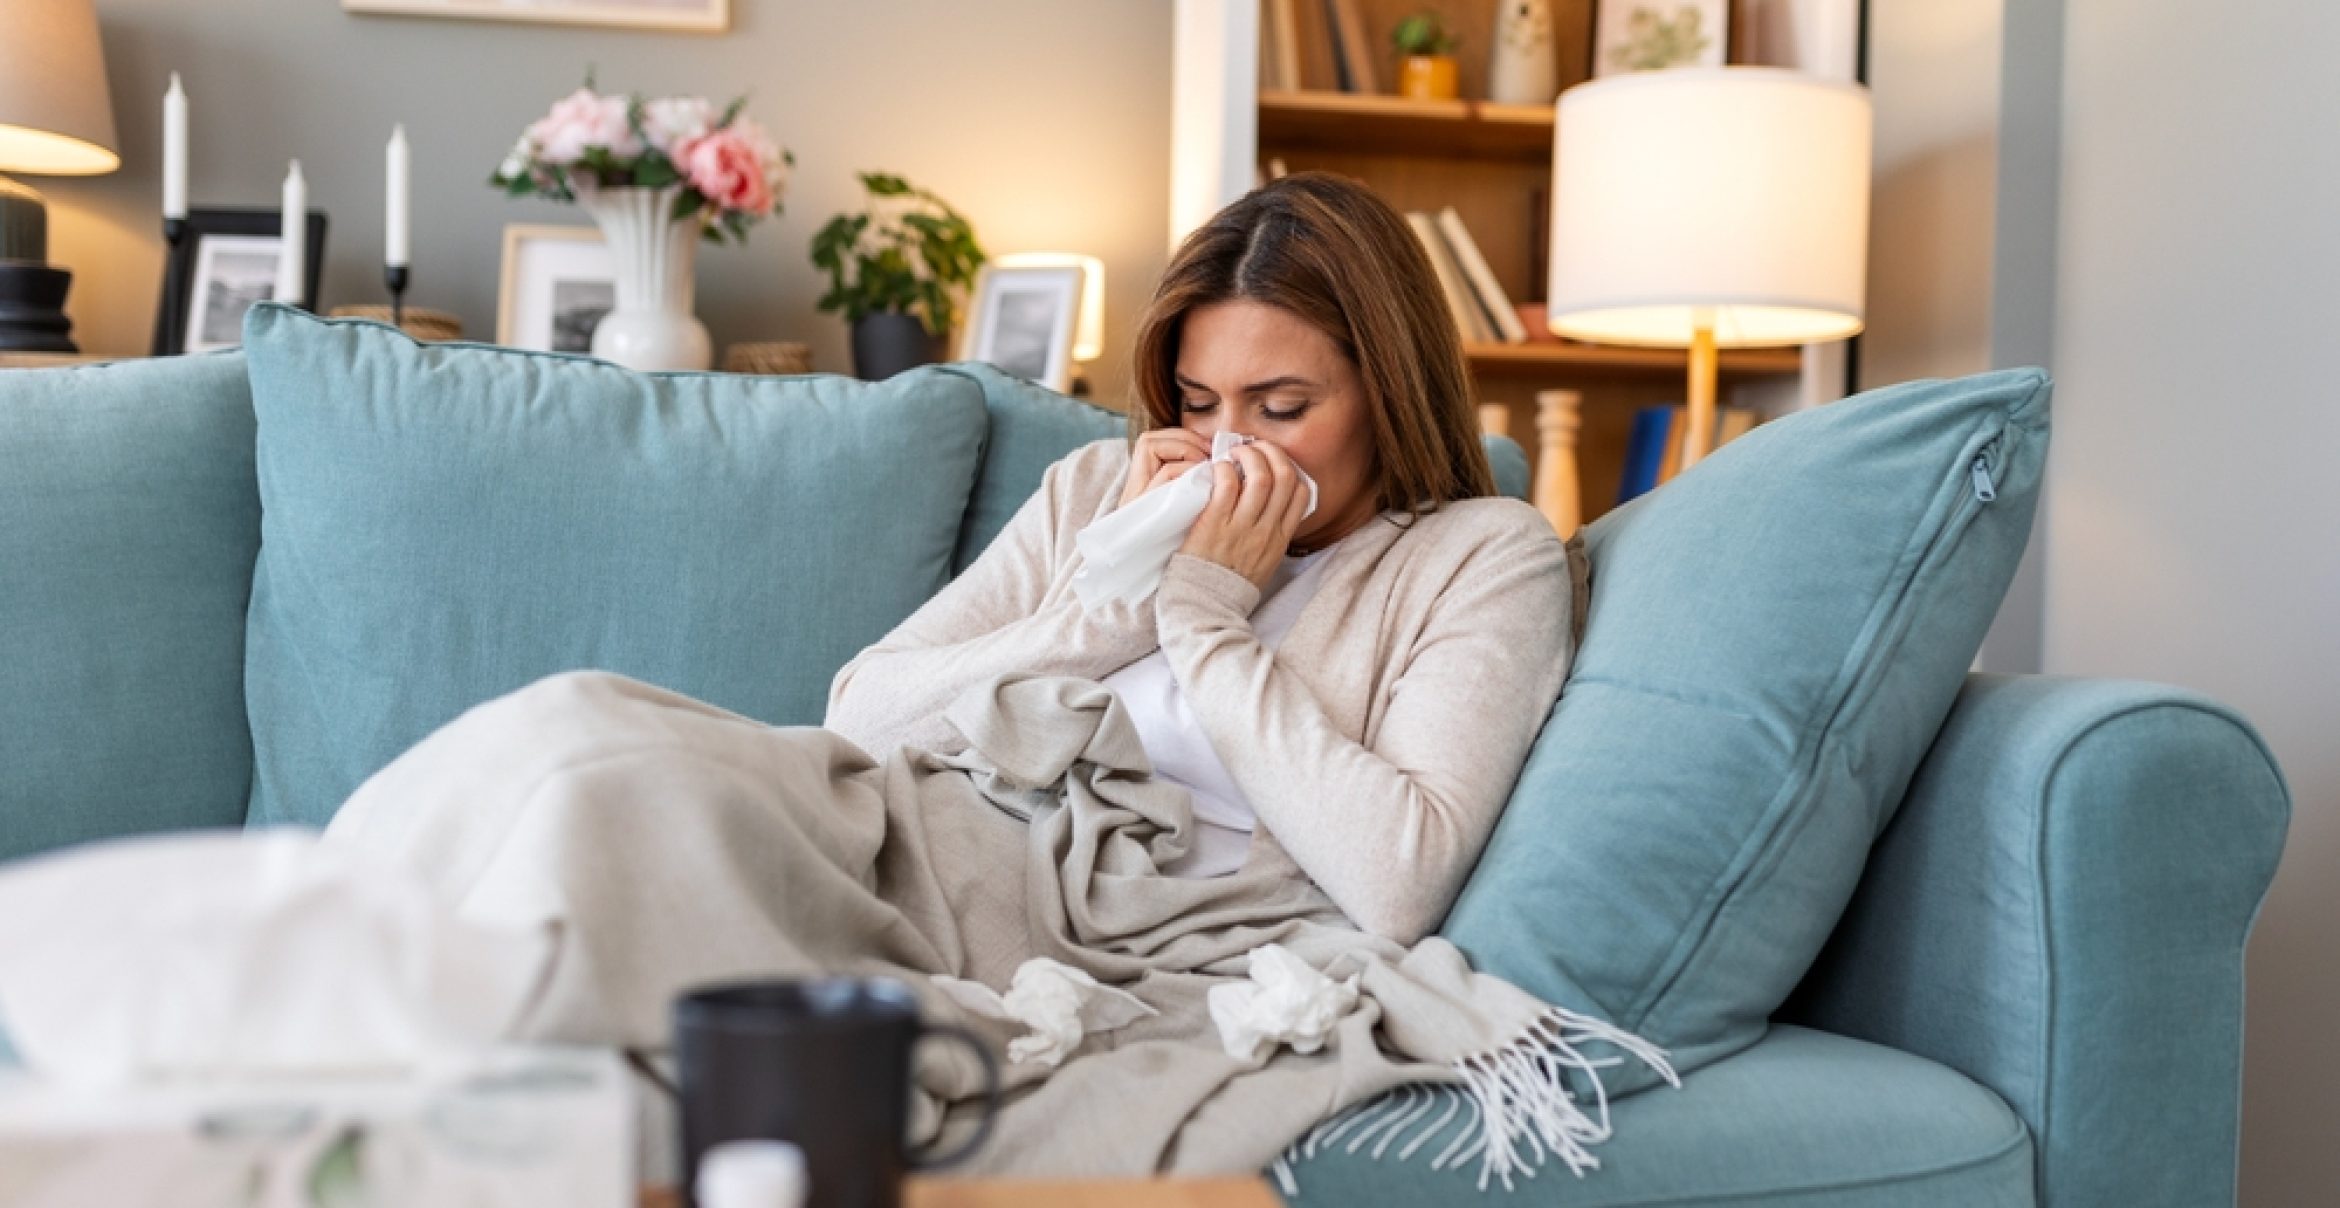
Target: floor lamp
x,y
1709,208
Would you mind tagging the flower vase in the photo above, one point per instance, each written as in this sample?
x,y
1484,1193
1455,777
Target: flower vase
x,y
653,254
1523,69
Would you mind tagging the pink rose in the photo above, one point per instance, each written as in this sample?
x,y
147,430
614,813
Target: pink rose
x,y
581,120
730,167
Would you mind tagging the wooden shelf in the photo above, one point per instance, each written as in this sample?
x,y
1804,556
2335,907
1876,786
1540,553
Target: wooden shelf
x,y
1541,357
1373,123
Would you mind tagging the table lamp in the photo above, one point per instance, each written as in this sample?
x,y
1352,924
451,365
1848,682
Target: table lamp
x,y
1708,208
1089,333
55,120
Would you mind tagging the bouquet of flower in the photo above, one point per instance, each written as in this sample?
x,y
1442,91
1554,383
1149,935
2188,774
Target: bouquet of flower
x,y
730,172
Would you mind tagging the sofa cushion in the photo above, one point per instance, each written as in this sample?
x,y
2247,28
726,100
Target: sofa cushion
x,y
1510,464
443,524
1802,1118
130,523
1031,426
1774,638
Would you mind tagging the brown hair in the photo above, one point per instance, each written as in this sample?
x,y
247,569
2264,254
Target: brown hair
x,y
1323,247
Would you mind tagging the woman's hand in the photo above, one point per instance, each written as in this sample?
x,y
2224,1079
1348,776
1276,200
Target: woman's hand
x,y
1249,521
1160,456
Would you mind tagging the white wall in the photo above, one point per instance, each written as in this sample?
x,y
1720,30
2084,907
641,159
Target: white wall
x,y
1934,79
1046,121
1962,234
2194,519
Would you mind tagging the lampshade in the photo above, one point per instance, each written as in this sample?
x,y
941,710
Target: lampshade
x,y
55,118
1736,196
1089,338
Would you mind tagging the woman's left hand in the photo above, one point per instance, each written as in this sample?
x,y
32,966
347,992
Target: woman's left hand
x,y
1249,521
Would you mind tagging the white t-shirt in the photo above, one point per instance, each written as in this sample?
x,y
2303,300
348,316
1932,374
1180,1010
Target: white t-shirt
x,y
1174,739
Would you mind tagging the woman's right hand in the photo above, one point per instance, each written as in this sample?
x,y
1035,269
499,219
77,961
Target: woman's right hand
x,y
1160,456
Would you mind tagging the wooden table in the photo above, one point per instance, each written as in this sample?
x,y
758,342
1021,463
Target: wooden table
x,y
1004,1193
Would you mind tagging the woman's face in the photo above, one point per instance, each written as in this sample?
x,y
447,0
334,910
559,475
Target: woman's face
x,y
1262,371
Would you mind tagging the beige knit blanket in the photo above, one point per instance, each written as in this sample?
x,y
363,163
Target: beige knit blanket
x,y
666,844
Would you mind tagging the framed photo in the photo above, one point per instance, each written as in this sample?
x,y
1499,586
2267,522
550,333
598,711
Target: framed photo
x,y
1650,35
696,16
557,283
1023,320
224,263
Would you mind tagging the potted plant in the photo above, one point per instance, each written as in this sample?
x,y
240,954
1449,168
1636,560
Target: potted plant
x,y
1428,71
895,272
657,176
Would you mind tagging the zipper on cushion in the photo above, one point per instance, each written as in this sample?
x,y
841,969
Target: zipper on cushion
x,y
1984,489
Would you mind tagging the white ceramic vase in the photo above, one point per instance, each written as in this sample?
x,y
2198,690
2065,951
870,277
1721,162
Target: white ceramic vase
x,y
1522,70
654,257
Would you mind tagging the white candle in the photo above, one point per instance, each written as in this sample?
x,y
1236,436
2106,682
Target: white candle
x,y
175,150
394,216
292,262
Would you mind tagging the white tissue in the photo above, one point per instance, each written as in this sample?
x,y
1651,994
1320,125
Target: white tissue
x,y
1060,1004
1286,1002
1124,552
244,953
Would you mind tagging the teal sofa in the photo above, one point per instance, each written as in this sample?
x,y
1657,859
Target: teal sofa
x,y
2032,994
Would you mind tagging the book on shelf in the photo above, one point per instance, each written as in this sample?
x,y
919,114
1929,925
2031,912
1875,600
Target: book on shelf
x,y
1352,46
1332,43
1467,318
1653,448
1279,45
1276,170
1485,289
1534,317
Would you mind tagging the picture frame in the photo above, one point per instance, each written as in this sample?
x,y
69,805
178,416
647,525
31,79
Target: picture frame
x,y
685,16
556,284
225,262
1651,35
1023,319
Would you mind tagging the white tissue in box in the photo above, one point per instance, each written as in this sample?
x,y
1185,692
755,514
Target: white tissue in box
x,y
523,1127
244,953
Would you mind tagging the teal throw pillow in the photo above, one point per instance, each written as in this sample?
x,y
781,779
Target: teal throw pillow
x,y
444,523
128,524
1774,638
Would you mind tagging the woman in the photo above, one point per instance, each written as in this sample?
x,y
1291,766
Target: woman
x,y
1311,726
1365,681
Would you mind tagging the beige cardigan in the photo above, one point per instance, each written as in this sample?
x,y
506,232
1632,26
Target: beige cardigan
x,y
1377,743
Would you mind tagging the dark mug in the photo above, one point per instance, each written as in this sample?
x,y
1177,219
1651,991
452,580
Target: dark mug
x,y
821,1063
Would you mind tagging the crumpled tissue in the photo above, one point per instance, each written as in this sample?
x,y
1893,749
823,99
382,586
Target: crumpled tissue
x,y
1123,553
1060,1004
1286,1002
245,954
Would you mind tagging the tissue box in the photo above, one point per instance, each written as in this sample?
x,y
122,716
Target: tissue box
x,y
519,1126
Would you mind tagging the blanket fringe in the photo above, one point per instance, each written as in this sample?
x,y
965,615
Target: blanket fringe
x,y
1521,1110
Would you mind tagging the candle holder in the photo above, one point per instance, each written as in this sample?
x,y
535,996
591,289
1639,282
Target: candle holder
x,y
395,276
174,290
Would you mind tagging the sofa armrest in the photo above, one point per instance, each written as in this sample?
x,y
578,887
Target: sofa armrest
x,y
2058,910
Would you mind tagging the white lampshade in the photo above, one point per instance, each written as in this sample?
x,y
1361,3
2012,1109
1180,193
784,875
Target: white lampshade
x,y
1736,197
55,117
1089,338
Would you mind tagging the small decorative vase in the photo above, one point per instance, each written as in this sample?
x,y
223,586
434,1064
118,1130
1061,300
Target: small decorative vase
x,y
651,326
886,343
1522,70
1428,77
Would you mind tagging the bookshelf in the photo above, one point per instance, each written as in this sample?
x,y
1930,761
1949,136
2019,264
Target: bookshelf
x,y
1493,164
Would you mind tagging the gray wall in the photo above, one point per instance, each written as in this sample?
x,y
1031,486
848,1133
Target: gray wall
x,y
1962,239
1045,121
2194,503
